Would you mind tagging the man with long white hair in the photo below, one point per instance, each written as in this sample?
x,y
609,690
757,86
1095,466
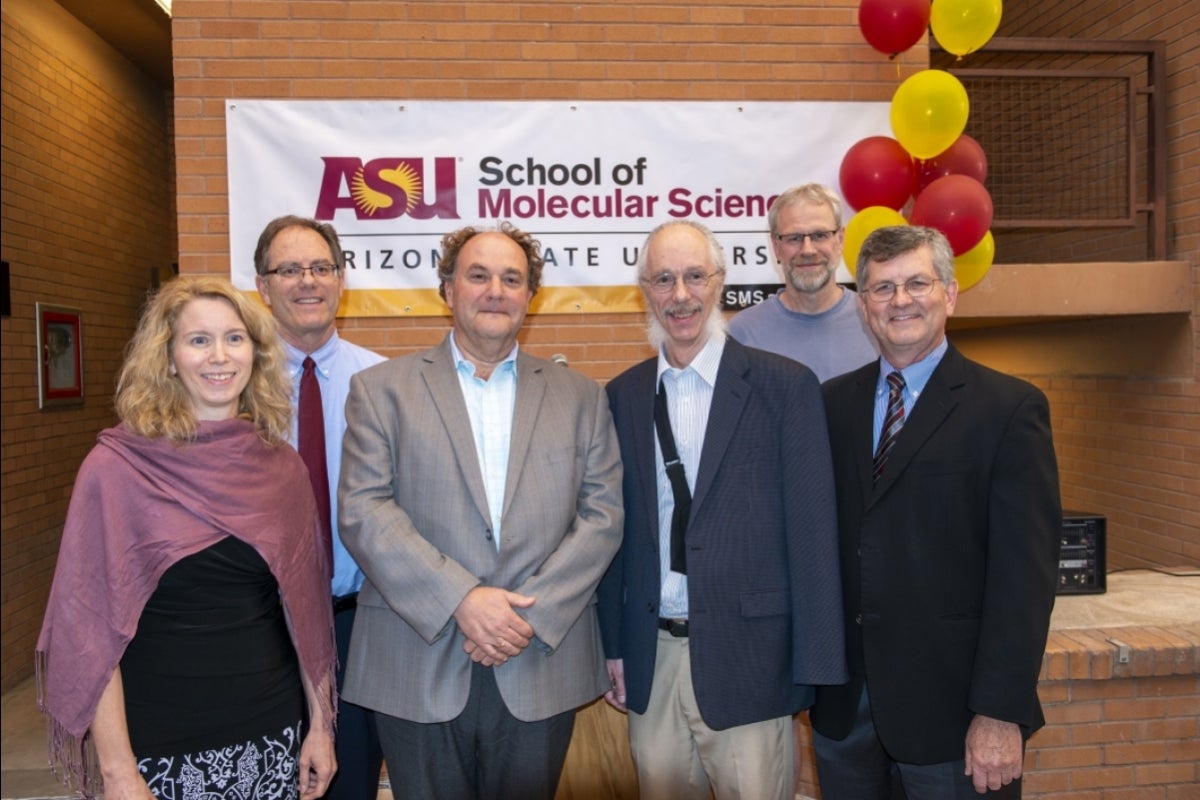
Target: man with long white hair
x,y
723,607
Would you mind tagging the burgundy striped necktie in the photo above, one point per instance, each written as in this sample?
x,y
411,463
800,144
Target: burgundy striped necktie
x,y
893,421
311,444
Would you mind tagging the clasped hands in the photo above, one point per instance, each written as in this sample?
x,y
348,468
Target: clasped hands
x,y
495,632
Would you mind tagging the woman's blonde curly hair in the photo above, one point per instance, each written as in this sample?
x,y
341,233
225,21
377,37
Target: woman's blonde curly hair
x,y
154,403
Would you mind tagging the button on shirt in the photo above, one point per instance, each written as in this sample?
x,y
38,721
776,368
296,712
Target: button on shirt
x,y
337,360
689,399
915,377
490,406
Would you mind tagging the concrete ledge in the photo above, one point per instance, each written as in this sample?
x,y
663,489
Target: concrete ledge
x,y
1146,624
1041,292
1113,653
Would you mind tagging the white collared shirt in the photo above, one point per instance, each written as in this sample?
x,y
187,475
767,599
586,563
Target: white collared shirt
x,y
490,407
689,399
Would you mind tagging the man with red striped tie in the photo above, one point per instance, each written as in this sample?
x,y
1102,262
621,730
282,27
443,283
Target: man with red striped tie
x,y
949,519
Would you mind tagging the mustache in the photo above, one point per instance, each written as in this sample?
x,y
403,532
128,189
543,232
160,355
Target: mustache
x,y
684,308
656,334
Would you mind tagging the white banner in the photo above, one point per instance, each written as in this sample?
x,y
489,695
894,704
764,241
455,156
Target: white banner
x,y
589,180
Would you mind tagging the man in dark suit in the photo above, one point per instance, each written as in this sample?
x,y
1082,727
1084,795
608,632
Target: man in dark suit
x,y
716,639
949,516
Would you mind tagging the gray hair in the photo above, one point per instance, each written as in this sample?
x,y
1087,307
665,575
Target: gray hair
x,y
813,193
715,254
884,244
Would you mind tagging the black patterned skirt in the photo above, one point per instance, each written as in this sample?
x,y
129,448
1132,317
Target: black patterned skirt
x,y
258,769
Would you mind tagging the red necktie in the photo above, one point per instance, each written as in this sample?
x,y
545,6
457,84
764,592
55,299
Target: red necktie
x,y
311,424
893,421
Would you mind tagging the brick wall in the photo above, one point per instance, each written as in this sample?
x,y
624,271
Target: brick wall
x,y
1122,712
1122,716
87,213
1129,447
1130,450
498,51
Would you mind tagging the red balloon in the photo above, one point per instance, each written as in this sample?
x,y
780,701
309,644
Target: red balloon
x,y
877,171
893,26
959,207
964,157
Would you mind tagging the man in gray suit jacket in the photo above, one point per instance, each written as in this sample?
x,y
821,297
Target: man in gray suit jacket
x,y
481,494
715,643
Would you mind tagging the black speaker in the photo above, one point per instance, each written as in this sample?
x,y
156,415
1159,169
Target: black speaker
x,y
1081,554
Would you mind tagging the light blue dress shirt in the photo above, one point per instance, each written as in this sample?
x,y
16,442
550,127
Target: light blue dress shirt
x,y
689,399
490,406
336,361
915,377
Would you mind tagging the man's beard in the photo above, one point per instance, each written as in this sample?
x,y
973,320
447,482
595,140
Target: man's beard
x,y
809,281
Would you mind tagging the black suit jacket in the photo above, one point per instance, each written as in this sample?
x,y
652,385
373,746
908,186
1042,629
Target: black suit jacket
x,y
764,595
949,563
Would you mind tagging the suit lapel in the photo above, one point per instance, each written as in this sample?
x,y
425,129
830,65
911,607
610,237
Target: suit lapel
x,y
936,403
729,399
531,388
641,408
862,416
442,381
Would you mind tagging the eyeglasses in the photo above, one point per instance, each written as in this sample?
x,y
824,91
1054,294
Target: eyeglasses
x,y
321,270
797,239
665,282
919,286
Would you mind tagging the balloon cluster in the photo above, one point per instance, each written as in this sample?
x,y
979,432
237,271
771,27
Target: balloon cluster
x,y
930,160
960,26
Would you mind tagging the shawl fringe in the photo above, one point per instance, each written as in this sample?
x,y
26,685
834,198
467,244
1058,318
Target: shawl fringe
x,y
327,700
72,759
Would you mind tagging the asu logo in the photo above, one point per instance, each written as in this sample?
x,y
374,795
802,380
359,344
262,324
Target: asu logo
x,y
387,188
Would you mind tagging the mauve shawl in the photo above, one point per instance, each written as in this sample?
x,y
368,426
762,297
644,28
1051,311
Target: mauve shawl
x,y
138,506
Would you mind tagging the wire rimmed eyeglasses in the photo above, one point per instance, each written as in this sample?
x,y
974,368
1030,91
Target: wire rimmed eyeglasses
x,y
322,270
797,239
919,286
665,282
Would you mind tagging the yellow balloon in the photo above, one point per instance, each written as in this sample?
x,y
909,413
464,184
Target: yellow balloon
x,y
971,266
929,111
861,225
964,26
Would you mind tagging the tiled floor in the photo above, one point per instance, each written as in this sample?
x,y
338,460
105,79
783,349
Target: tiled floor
x,y
23,770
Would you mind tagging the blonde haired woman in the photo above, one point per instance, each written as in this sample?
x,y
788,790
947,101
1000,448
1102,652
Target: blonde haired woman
x,y
188,634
